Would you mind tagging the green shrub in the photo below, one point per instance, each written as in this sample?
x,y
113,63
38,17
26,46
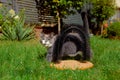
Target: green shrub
x,y
14,28
114,29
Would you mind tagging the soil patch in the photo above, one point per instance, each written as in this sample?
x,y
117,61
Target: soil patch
x,y
72,64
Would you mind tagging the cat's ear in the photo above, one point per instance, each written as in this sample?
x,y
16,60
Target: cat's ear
x,y
52,34
41,34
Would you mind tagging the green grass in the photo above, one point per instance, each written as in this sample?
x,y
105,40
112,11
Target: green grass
x,y
26,61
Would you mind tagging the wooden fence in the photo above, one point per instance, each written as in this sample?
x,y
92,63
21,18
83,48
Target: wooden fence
x,y
28,5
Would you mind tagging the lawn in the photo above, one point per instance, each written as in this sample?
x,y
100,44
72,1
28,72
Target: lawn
x,y
26,61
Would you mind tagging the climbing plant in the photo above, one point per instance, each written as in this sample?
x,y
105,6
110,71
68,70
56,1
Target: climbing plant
x,y
61,8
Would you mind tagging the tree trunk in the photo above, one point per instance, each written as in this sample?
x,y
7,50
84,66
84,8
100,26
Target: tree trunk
x,y
59,23
101,29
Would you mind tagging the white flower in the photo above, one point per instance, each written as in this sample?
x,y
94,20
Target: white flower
x,y
1,4
12,12
16,17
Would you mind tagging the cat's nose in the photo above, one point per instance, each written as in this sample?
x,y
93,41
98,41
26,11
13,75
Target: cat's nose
x,y
48,44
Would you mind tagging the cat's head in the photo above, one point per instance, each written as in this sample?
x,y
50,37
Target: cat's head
x,y
47,39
